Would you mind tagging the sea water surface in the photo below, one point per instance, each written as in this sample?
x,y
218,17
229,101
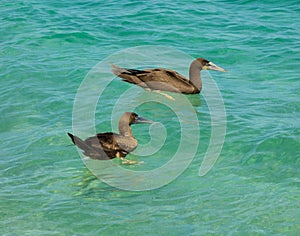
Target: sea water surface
x,y
47,49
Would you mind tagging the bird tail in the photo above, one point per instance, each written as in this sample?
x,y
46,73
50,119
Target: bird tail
x,y
129,75
81,144
118,70
125,71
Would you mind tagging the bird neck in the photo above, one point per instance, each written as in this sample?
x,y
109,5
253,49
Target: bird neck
x,y
125,130
195,78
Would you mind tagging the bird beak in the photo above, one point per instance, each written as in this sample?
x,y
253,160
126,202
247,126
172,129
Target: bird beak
x,y
212,66
141,120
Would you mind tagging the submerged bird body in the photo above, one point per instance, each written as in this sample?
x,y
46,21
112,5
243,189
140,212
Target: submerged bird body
x,y
161,79
105,146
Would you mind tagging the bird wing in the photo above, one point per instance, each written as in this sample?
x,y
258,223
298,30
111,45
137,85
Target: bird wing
x,y
90,150
155,79
165,79
104,141
106,145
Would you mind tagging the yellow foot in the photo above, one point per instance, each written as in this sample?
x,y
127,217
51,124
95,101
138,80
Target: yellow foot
x,y
129,162
164,94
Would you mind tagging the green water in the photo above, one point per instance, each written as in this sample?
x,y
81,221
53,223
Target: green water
x,y
47,49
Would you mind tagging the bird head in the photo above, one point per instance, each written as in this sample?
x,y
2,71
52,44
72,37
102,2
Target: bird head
x,y
133,118
208,65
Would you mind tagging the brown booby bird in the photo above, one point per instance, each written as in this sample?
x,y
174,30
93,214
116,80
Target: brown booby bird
x,y
161,79
105,146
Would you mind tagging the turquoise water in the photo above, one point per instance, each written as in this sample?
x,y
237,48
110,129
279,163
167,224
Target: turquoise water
x,y
48,48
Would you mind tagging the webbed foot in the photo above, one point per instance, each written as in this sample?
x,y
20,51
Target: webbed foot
x,y
165,95
130,162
